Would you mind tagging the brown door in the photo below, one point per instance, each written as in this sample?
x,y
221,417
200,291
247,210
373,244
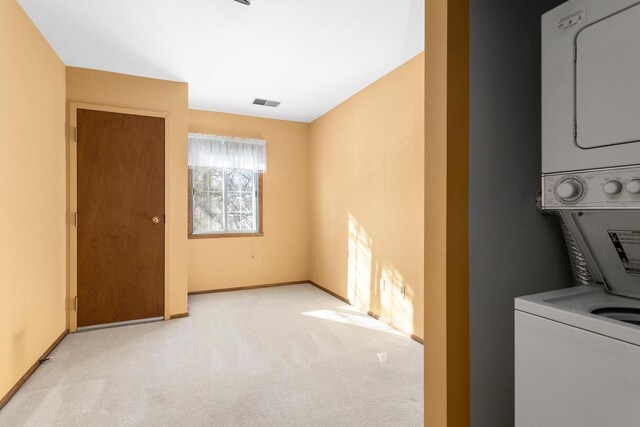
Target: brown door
x,y
120,217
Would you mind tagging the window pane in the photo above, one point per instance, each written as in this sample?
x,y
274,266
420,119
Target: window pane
x,y
216,179
200,216
216,203
247,222
208,206
216,222
239,202
199,179
240,180
240,222
247,201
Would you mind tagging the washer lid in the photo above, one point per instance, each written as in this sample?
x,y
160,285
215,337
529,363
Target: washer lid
x,y
608,81
610,242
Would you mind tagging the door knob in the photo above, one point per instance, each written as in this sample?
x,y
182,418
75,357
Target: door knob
x,y
155,219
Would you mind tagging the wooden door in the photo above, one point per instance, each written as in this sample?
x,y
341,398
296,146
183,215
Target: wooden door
x,y
120,217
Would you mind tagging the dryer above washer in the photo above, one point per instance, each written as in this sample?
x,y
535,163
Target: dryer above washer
x,y
591,85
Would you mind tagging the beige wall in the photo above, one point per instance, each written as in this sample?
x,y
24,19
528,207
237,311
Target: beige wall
x,y
119,90
282,254
32,195
367,193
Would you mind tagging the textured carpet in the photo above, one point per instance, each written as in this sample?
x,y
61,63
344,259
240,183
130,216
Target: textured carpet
x,y
286,356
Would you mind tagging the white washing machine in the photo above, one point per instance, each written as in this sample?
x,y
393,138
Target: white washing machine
x,y
577,350
577,359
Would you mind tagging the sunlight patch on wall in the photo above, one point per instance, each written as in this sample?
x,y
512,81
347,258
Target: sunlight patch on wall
x,y
375,285
396,301
359,266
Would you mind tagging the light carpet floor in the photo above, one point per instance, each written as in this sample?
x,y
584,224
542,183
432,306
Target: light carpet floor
x,y
286,356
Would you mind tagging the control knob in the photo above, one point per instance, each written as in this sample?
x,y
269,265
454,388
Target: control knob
x,y
569,190
633,186
612,187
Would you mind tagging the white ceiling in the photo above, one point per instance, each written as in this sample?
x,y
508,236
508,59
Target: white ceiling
x,y
311,55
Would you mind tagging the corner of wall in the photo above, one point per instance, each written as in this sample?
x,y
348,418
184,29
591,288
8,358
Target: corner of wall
x,y
32,148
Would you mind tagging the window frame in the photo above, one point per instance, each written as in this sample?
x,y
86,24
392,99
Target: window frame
x,y
224,234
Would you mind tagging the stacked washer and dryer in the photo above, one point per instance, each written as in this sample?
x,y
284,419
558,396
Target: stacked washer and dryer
x,y
577,350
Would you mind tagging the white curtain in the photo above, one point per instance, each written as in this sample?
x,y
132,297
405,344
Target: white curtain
x,y
227,152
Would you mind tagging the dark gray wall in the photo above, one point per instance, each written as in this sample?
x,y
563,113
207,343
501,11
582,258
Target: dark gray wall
x,y
514,251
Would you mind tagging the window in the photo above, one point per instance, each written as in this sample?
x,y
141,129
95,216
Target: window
x,y
225,186
224,201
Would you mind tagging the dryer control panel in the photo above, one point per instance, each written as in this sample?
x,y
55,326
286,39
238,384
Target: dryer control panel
x,y
615,188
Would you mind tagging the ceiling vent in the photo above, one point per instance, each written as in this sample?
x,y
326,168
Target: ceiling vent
x,y
266,102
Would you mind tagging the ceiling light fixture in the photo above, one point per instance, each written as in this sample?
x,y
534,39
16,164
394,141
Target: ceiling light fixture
x,y
246,2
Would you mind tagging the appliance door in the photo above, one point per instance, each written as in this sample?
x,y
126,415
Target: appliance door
x,y
607,85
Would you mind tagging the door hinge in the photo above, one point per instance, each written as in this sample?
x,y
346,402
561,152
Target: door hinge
x,y
575,53
575,130
75,303
76,219
75,134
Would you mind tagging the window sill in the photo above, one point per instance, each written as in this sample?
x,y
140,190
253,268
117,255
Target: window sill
x,y
224,235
